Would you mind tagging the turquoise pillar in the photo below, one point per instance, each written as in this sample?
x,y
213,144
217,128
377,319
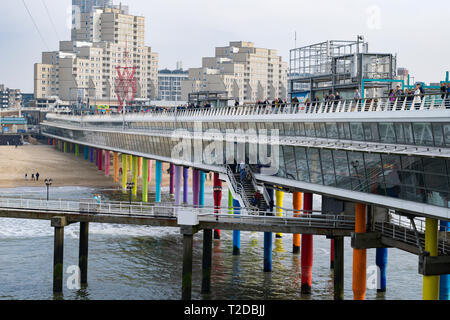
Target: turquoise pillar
x,y
86,153
236,233
444,280
158,179
201,199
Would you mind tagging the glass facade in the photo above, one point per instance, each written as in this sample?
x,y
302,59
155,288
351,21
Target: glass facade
x,y
418,179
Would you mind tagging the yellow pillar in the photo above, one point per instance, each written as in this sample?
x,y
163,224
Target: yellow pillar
x,y
135,175
116,166
130,162
280,196
431,283
140,167
124,172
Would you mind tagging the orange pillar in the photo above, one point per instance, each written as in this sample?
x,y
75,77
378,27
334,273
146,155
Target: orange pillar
x,y
116,166
140,167
359,256
297,212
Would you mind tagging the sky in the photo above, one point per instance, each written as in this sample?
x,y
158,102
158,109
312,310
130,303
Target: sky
x,y
187,30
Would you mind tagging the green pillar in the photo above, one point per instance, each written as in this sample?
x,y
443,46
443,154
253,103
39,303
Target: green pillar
x,y
135,175
77,150
65,147
145,181
124,172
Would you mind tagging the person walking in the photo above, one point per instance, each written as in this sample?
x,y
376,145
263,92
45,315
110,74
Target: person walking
x,y
32,177
26,176
37,176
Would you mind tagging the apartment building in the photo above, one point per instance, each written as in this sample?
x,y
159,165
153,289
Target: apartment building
x,y
246,73
87,66
169,82
9,98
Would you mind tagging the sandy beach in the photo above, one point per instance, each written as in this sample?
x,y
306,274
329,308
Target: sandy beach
x,y
65,169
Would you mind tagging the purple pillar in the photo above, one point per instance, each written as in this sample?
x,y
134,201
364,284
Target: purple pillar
x,y
177,178
171,170
195,187
185,184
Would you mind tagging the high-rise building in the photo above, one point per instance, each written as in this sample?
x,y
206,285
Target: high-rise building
x,y
86,66
245,72
169,82
10,98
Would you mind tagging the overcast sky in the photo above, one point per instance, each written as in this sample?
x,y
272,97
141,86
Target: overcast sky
x,y
188,30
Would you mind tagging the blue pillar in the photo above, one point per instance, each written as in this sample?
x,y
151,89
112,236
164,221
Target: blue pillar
x,y
381,261
86,153
236,233
158,179
91,150
268,239
201,195
185,185
444,280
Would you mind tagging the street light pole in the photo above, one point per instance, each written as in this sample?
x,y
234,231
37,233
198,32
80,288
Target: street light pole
x,y
130,186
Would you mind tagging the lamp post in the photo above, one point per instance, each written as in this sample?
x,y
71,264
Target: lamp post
x,y
48,183
130,186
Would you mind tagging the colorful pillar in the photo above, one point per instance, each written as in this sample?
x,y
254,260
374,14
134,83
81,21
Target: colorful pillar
x,y
332,254
54,142
431,283
86,153
177,175
172,178
307,248
135,175
100,159
236,233
268,239
359,255
77,150
201,196
158,178
130,162
145,180
107,162
185,185
297,205
444,281
279,196
217,192
381,262
195,187
124,172
140,162
116,166
150,170
91,154
65,147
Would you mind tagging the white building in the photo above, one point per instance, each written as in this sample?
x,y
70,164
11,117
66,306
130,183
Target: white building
x,y
169,82
247,73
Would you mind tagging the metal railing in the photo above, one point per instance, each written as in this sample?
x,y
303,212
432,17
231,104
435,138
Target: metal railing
x,y
379,104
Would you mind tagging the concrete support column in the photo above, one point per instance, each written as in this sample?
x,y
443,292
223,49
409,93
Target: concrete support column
x,y
431,283
280,197
124,172
195,187
236,233
177,175
297,205
359,255
188,240
77,150
172,178
145,180
150,170
86,153
83,252
217,190
268,239
185,185
338,268
158,179
58,253
206,262
135,175
116,166
307,249
65,147
100,159
107,162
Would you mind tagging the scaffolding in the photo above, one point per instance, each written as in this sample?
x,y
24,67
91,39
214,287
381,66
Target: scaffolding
x,y
318,69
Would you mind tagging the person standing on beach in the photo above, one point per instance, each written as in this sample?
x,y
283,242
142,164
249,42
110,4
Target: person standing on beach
x,y
26,176
37,176
32,177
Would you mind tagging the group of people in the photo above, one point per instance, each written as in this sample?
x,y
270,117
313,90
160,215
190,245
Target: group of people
x,y
34,177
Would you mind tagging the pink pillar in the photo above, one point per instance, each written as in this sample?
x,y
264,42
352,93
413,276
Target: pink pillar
x,y
150,165
107,162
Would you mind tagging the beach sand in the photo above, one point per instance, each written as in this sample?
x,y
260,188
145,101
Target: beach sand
x,y
65,169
